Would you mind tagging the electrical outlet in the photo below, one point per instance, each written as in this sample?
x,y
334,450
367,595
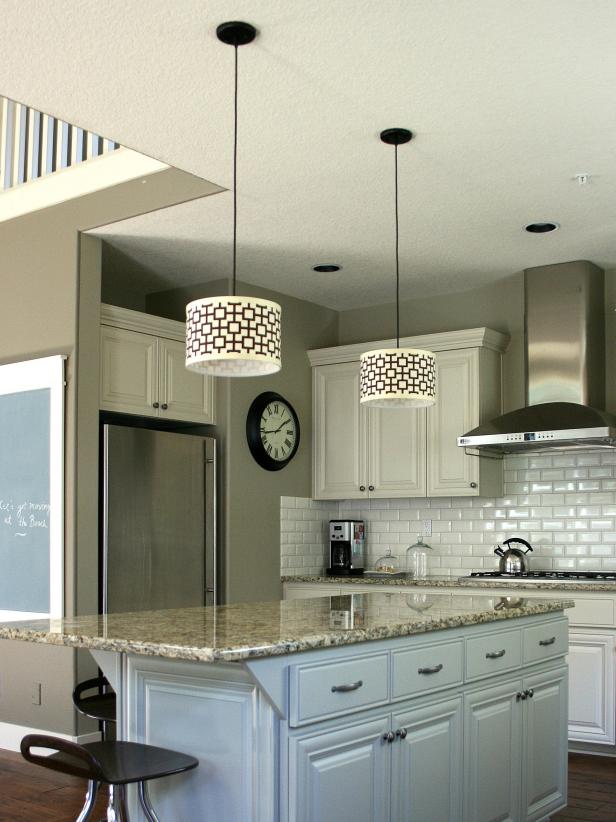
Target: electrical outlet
x,y
36,693
427,528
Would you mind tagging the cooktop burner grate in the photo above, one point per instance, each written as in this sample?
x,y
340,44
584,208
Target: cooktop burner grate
x,y
547,575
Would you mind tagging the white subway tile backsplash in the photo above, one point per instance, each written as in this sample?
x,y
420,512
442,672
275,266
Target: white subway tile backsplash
x,y
563,504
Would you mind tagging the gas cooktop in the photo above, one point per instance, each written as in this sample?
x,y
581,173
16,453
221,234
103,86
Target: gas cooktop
x,y
547,576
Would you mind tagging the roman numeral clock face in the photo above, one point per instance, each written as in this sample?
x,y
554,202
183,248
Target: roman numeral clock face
x,y
272,430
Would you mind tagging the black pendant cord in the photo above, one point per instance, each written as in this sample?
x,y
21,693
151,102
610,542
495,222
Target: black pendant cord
x,y
397,253
233,287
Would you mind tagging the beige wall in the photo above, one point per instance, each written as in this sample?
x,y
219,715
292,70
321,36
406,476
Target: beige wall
x,y
39,316
251,526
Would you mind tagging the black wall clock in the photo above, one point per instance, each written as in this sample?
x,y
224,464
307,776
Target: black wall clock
x,y
272,431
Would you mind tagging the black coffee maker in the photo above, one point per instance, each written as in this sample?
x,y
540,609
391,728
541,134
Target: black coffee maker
x,y
347,539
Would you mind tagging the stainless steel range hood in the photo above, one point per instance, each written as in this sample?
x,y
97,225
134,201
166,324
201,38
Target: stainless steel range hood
x,y
565,367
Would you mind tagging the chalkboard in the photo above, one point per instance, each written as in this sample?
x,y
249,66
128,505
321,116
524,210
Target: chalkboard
x,y
31,488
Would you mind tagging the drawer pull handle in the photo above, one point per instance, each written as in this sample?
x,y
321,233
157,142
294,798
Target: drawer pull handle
x,y
433,670
495,654
549,641
350,686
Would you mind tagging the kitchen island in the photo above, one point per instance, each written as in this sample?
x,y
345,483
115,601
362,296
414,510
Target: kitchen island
x,y
342,708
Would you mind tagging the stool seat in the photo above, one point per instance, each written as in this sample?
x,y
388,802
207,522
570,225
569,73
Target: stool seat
x,y
99,706
122,763
115,764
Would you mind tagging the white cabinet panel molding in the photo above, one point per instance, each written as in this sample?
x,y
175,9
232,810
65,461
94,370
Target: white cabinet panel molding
x,y
447,341
591,687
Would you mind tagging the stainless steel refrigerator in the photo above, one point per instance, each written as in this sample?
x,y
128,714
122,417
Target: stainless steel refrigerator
x,y
158,520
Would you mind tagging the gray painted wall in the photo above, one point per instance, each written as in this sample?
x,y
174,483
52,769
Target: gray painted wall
x,y
499,306
41,298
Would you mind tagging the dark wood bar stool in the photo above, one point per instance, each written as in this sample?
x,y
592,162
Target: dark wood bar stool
x,y
100,705
114,764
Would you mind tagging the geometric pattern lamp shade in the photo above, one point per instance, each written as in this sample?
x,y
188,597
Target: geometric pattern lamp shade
x,y
233,336
398,378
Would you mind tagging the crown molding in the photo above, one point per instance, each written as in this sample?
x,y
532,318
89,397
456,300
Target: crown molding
x,y
445,341
145,323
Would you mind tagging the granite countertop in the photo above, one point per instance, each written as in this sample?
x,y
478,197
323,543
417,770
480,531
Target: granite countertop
x,y
232,633
454,582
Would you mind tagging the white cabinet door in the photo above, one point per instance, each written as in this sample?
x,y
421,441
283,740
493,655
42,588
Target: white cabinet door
x,y
397,452
129,371
341,774
591,687
493,754
184,395
545,746
450,471
427,763
339,438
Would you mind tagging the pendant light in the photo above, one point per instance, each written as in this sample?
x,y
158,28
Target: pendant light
x,y
233,336
397,377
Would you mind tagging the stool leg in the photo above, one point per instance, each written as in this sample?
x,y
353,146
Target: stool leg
x,y
117,810
87,809
144,799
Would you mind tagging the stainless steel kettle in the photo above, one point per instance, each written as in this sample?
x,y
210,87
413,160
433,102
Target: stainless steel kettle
x,y
513,560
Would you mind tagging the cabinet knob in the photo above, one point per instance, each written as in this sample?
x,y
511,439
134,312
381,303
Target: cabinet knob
x,y
401,733
529,692
155,405
371,488
519,696
164,406
389,736
473,485
362,487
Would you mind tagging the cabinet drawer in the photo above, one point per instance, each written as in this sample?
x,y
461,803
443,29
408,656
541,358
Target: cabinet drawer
x,y
545,641
491,654
426,669
595,612
323,690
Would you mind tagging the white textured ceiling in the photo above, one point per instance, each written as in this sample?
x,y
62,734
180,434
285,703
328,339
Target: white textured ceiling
x,y
509,99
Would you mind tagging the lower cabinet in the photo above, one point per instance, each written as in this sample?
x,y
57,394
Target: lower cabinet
x,y
493,746
341,774
591,687
499,754
545,740
515,749
401,766
427,763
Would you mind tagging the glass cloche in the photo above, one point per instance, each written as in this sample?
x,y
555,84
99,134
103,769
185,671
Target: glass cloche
x,y
387,564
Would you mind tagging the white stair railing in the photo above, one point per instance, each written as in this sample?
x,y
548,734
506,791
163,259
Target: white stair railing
x,y
33,144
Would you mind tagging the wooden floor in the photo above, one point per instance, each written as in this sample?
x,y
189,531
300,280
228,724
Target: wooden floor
x,y
31,794
592,790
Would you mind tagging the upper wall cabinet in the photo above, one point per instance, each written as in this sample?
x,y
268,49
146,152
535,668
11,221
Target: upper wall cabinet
x,y
363,452
142,369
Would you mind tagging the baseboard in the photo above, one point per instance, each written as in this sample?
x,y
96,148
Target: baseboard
x,y
11,735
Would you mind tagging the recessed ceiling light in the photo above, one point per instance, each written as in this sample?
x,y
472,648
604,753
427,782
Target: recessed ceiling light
x,y
326,268
541,228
